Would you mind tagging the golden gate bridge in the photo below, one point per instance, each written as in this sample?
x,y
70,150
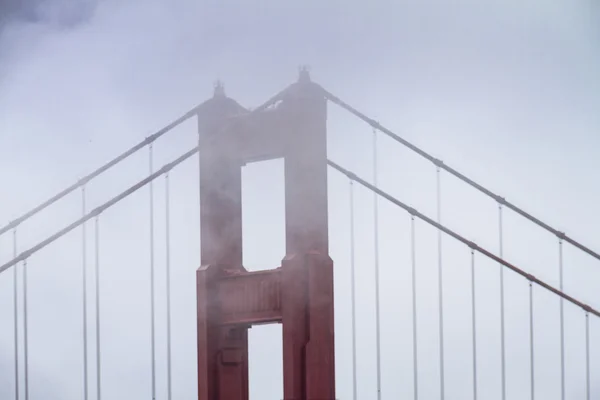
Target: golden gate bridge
x,y
299,294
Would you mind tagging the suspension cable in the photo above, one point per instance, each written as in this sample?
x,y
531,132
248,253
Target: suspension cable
x,y
440,283
463,240
198,110
376,250
457,174
152,319
531,342
25,331
474,320
16,315
150,139
199,170
97,278
502,327
562,320
413,257
353,289
97,210
168,280
84,293
587,355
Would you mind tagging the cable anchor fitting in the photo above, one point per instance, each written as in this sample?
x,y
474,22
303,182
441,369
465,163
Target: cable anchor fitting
x,y
83,181
96,211
473,246
500,200
352,176
150,139
14,224
437,162
24,255
374,124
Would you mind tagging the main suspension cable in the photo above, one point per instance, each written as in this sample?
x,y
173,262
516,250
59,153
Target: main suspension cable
x,y
150,139
84,293
440,283
376,251
16,315
97,211
457,174
168,279
353,289
198,110
461,239
413,257
152,312
502,314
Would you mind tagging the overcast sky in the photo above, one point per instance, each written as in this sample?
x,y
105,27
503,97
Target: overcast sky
x,y
507,92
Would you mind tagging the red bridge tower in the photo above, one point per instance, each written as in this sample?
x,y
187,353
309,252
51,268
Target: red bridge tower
x,y
299,294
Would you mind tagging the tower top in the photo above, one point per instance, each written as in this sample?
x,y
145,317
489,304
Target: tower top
x,y
304,74
219,89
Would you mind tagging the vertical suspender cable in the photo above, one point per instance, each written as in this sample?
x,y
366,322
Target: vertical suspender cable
x,y
502,329
97,278
473,317
562,320
440,283
168,281
200,132
152,322
414,306
200,129
353,289
587,355
84,286
16,315
376,250
531,347
25,332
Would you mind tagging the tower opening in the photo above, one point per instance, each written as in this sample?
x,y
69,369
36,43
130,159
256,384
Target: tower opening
x,y
265,362
263,214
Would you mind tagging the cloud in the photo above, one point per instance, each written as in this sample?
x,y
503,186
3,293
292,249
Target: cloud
x,y
56,13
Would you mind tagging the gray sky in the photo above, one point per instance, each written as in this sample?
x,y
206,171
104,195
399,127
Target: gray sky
x,y
507,92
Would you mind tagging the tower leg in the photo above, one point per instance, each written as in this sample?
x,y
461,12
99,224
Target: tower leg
x,y
232,364
308,331
295,330
222,351
320,355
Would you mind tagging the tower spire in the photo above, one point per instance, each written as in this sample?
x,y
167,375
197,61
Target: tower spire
x,y
219,89
304,74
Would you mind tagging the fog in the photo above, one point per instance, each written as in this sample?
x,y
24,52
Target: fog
x,y
507,92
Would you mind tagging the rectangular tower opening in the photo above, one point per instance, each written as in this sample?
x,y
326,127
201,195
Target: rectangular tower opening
x,y
263,214
265,362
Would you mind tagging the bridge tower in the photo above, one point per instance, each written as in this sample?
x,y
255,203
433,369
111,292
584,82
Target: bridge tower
x,y
298,294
